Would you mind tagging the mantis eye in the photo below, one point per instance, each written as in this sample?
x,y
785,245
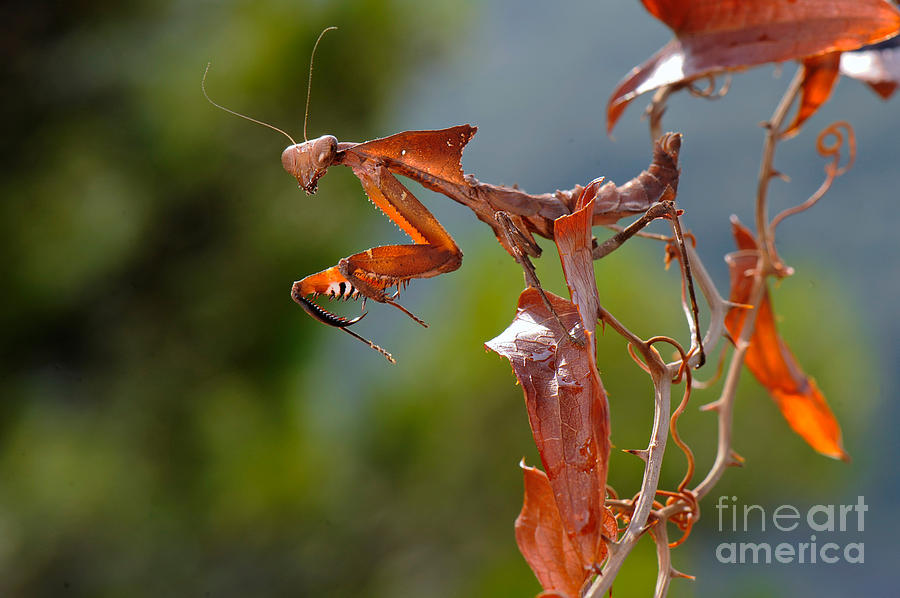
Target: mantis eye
x,y
325,149
290,159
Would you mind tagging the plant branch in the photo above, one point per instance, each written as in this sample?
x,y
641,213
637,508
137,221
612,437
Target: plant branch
x,y
642,234
662,385
766,169
657,108
832,169
663,558
724,404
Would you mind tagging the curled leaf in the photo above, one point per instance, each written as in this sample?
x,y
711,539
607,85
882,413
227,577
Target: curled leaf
x,y
543,540
770,360
572,234
820,73
568,413
717,35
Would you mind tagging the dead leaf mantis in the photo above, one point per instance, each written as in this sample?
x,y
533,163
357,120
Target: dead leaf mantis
x,y
433,159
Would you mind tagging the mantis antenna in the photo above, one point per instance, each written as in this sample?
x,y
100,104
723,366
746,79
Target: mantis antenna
x,y
312,57
244,116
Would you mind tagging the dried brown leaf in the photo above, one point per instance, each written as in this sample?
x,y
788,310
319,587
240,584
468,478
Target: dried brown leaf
x,y
820,73
568,413
770,360
718,35
543,540
572,234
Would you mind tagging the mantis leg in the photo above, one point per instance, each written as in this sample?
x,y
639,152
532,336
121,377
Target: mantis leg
x,y
374,270
372,273
399,204
332,283
665,208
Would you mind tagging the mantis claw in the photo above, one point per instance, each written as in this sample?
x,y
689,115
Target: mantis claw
x,y
323,315
326,317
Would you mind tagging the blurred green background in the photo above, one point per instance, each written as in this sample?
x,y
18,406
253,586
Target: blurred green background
x,y
172,423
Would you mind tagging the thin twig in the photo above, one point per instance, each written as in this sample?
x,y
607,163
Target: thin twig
x,y
691,311
710,92
663,558
665,208
725,403
657,108
653,463
832,170
766,169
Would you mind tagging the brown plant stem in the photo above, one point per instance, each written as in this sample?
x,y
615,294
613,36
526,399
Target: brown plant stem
x,y
662,385
725,403
832,170
663,558
642,509
657,109
767,170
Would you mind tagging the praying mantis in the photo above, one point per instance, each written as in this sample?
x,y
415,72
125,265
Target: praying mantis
x,y
433,159
374,272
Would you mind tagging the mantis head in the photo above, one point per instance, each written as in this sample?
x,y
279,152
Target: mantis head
x,y
305,161
309,160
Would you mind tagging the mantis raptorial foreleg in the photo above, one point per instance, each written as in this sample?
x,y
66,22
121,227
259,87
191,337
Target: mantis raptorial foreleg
x,y
374,272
